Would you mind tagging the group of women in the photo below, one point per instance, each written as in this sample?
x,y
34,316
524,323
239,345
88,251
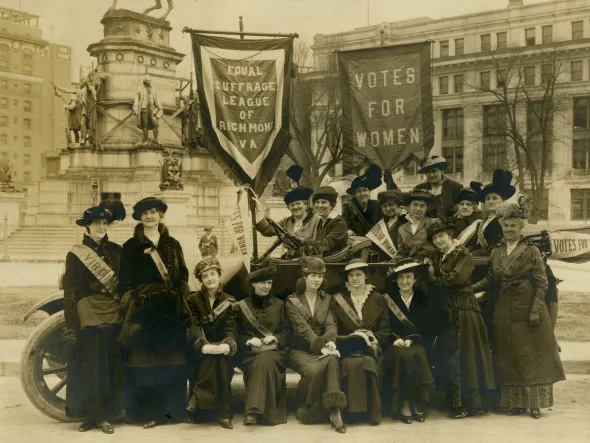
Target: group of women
x,y
136,337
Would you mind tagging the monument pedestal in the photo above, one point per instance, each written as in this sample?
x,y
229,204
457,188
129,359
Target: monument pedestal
x,y
11,204
177,206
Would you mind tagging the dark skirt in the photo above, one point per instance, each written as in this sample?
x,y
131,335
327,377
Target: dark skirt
x,y
211,385
407,375
527,397
156,393
266,385
465,360
95,374
360,384
318,390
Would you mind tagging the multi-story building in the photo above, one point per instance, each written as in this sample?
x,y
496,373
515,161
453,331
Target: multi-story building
x,y
465,50
32,117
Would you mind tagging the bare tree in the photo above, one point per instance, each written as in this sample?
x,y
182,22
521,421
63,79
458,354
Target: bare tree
x,y
522,89
316,117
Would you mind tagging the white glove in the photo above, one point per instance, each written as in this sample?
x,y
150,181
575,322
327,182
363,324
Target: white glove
x,y
408,343
254,342
223,348
351,233
268,340
207,349
326,351
331,346
399,343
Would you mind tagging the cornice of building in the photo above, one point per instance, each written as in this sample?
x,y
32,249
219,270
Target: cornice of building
x,y
24,38
26,78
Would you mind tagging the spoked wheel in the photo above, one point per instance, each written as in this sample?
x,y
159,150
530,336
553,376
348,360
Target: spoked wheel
x,y
44,368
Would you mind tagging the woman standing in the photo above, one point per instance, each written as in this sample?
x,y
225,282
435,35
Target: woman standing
x,y
465,371
93,324
154,279
213,333
527,359
468,216
263,331
314,355
363,331
405,363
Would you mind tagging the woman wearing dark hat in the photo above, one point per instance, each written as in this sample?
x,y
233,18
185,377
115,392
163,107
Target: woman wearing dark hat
x,y
489,231
154,279
330,235
361,213
408,377
412,239
440,186
314,355
525,350
213,333
363,331
393,214
466,219
93,323
263,337
465,370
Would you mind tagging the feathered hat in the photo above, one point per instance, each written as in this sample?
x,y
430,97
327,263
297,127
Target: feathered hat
x,y
370,179
512,210
471,193
95,213
500,185
294,173
418,194
267,271
116,207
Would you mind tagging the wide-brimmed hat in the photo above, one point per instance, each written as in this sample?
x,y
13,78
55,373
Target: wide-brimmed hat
x,y
500,185
208,229
267,271
471,193
356,263
418,194
405,265
146,204
439,226
294,173
206,264
298,194
394,195
371,179
313,265
95,213
434,162
325,192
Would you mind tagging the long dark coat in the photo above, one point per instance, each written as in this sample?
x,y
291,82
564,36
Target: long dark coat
x,y
95,368
154,331
371,215
359,368
331,236
416,246
407,374
461,223
319,387
525,355
443,205
211,374
264,372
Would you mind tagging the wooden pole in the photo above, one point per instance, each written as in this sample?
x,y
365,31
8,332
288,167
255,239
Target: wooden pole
x,y
254,231
5,236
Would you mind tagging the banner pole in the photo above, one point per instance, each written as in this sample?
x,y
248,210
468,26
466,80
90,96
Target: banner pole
x,y
241,34
254,232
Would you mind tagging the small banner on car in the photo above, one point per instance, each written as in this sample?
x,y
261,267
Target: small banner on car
x,y
387,103
244,88
241,229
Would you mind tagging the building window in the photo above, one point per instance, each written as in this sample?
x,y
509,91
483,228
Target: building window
x,y
484,78
459,83
500,78
452,123
580,203
444,85
27,142
27,159
459,46
580,154
3,85
494,119
4,121
529,76
444,48
411,168
27,176
578,30
547,74
486,43
3,139
581,105
502,39
27,88
4,58
28,106
3,103
547,34
27,122
577,70
529,36
494,156
454,155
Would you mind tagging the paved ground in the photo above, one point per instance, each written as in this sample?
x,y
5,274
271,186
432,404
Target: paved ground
x,y
566,423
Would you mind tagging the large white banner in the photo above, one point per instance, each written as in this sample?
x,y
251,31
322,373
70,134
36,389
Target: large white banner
x,y
379,234
240,227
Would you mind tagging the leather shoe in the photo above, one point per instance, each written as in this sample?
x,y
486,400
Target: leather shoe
x,y
536,413
150,424
250,420
87,425
420,416
107,428
341,429
458,414
226,423
405,419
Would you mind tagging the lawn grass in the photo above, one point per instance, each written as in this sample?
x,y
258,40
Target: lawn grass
x,y
573,323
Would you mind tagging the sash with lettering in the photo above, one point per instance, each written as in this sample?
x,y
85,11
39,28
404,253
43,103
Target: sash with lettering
x,y
153,252
348,310
103,273
398,312
469,232
379,234
244,88
258,325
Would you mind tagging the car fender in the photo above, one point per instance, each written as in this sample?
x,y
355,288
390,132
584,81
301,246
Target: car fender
x,y
51,304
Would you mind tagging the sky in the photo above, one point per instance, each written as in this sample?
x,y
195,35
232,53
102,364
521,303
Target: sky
x,y
76,23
